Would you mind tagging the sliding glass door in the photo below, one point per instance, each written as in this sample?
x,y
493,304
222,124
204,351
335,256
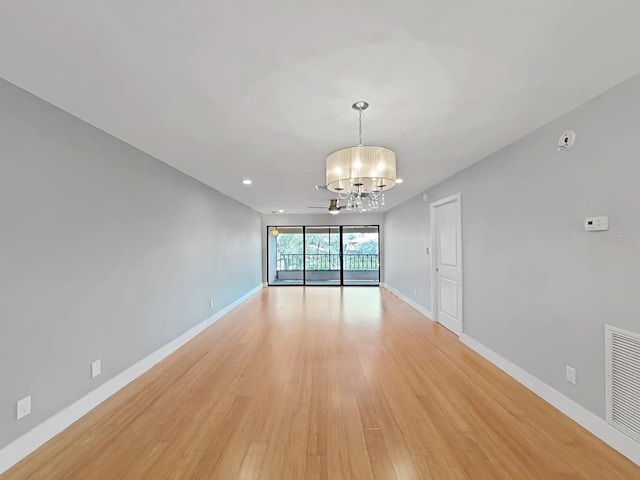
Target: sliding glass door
x,y
323,255
361,255
286,255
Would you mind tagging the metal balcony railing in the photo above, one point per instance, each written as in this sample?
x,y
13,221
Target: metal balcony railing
x,y
327,261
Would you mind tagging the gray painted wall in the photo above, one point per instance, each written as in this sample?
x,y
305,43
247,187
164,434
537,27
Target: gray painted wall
x,y
105,252
405,252
539,288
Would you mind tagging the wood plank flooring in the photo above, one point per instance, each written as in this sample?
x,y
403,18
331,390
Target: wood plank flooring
x,y
324,383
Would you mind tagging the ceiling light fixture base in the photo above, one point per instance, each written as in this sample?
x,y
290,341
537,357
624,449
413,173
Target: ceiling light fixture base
x,y
360,105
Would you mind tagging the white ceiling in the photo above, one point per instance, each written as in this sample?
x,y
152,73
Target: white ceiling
x,y
226,90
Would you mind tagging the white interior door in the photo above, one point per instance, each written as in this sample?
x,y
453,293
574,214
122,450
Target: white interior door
x,y
446,250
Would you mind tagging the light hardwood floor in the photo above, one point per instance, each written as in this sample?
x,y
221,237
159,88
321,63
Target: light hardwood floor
x,y
325,383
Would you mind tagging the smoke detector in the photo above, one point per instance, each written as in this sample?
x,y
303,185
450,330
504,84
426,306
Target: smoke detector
x,y
566,140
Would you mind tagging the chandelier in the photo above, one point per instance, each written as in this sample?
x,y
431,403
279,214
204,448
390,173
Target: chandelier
x,y
361,174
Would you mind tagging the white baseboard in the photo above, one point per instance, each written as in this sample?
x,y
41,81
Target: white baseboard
x,y
588,420
43,432
415,305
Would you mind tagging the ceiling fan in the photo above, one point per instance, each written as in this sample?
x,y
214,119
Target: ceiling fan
x,y
334,208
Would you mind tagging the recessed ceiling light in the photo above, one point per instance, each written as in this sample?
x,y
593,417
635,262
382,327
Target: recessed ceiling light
x,y
399,180
280,211
246,181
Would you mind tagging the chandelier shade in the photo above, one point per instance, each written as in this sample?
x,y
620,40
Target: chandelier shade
x,y
361,168
361,174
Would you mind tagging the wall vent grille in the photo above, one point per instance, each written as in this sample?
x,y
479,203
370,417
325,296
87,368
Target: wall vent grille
x,y
623,380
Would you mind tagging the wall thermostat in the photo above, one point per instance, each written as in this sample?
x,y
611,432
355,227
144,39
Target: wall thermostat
x,y
596,224
566,140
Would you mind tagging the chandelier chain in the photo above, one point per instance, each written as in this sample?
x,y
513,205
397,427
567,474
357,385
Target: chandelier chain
x,y
360,125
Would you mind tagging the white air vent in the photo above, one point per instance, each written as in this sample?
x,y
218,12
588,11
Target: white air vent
x,y
623,380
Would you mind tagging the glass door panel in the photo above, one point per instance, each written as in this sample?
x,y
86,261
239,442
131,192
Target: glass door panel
x,y
285,255
361,255
322,256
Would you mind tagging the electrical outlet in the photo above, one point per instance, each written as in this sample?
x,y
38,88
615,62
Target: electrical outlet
x,y
24,407
571,375
415,292
96,368
211,304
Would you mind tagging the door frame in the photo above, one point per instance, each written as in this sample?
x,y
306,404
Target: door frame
x,y
457,198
